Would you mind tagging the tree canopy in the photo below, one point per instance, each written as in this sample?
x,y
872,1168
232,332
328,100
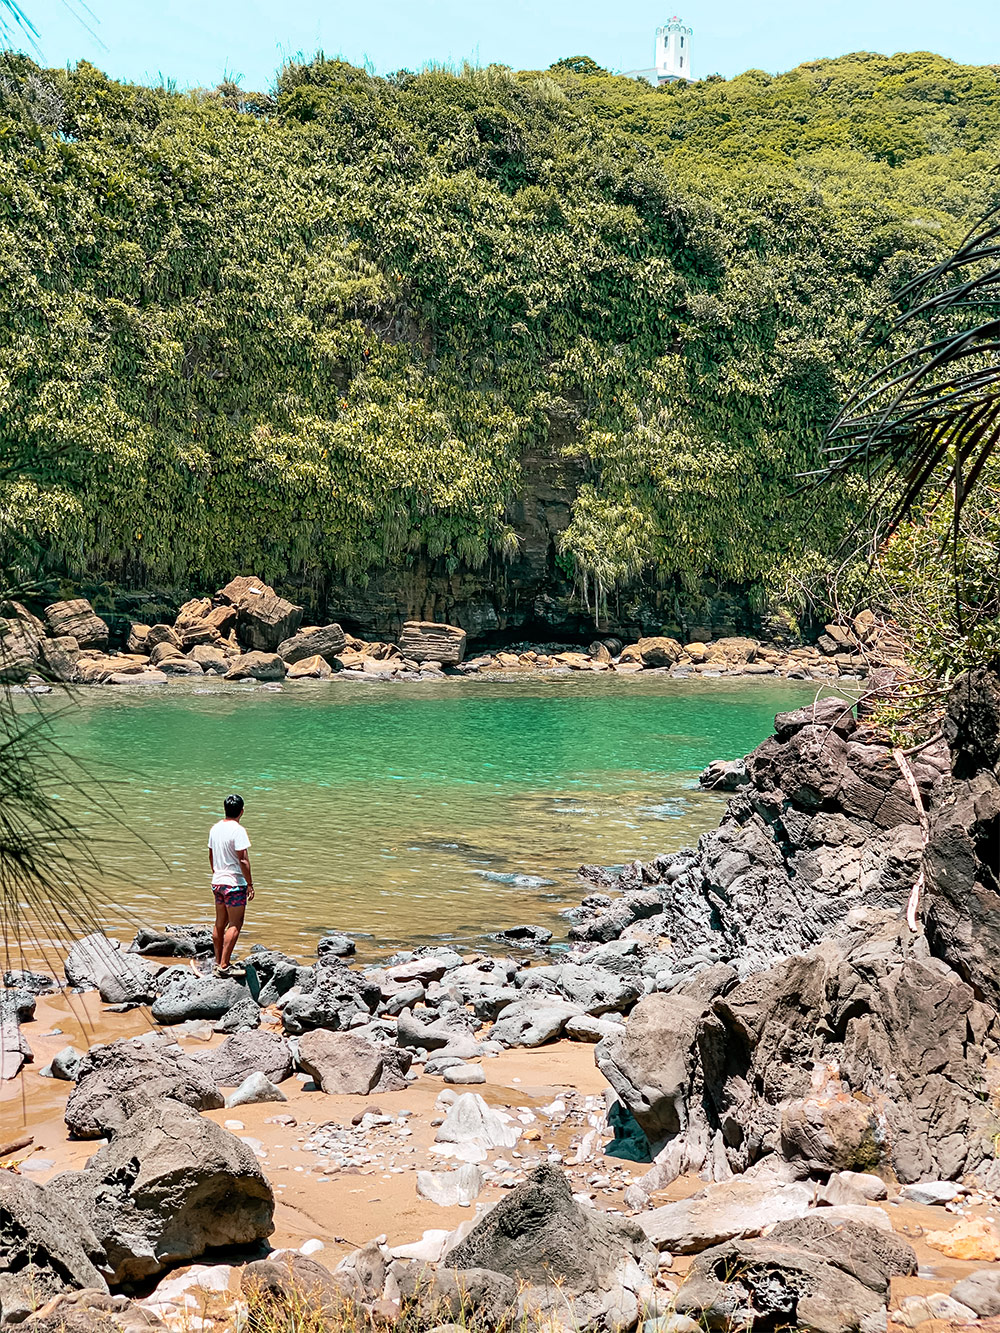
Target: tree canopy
x,y
324,328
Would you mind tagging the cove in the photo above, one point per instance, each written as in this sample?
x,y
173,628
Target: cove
x,y
428,811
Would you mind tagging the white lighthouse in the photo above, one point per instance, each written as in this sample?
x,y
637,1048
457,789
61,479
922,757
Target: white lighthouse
x,y
673,51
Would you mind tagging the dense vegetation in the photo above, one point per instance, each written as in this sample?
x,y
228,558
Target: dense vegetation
x,y
316,331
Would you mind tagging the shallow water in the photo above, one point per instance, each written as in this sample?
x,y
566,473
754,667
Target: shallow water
x,y
406,812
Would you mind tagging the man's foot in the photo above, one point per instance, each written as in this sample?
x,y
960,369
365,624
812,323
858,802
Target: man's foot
x,y
224,972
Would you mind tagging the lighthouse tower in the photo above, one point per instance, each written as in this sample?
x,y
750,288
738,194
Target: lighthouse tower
x,y
673,51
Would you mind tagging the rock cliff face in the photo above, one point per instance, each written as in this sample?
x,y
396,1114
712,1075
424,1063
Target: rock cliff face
x,y
963,853
824,825
828,1035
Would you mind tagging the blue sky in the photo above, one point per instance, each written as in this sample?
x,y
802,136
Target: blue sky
x,y
196,41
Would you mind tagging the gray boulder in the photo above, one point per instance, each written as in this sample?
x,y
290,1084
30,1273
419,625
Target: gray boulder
x,y
170,1185
722,1212
595,990
243,1054
243,1017
980,1292
114,1082
723,775
564,1253
455,1297
335,945
121,978
830,1278
296,1282
436,1035
46,1247
173,942
533,1022
66,1064
346,1064
336,997
187,995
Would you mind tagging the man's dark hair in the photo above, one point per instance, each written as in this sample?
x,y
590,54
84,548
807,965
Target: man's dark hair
x,y
233,806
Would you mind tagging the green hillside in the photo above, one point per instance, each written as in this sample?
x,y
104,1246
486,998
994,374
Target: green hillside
x,y
330,331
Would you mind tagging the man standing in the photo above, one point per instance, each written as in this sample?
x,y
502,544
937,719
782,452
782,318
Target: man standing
x,y
232,881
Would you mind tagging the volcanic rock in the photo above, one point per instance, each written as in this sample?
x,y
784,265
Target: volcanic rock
x,y
46,1247
337,996
170,1185
344,1063
186,995
244,1053
115,1081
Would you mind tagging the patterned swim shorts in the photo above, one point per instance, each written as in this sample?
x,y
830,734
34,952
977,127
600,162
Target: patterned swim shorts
x,y
230,895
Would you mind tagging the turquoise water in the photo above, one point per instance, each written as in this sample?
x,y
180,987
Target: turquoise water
x,y
407,812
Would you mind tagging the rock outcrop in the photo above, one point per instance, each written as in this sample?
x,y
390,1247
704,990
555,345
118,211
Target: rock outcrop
x,y
825,825
962,863
863,1051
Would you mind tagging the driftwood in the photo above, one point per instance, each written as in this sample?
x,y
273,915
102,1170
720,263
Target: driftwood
x,y
15,1145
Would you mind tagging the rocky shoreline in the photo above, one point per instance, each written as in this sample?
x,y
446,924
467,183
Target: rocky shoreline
x,y
779,1042
247,632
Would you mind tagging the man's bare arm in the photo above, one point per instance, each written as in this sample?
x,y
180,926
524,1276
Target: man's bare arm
x,y
244,860
211,861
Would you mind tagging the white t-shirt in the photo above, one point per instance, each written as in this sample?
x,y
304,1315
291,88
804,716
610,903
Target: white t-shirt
x,y
225,839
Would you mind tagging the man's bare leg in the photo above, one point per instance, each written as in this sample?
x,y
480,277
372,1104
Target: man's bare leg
x,y
219,931
234,924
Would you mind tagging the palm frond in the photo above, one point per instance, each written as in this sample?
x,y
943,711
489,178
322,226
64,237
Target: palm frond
x,y
929,414
13,17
